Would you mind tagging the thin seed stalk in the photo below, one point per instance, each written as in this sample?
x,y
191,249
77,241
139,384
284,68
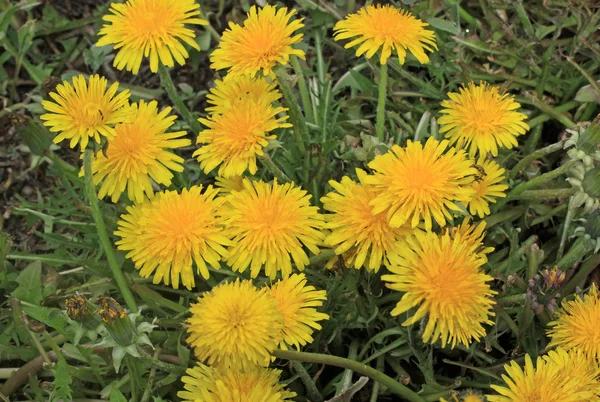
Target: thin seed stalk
x,y
380,124
118,276
392,385
167,83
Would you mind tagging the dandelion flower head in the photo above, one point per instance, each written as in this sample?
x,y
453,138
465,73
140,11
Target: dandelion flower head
x,y
265,40
419,182
269,224
298,302
441,275
208,384
138,154
86,110
488,185
387,28
482,119
578,324
232,89
235,325
150,28
558,377
354,227
236,137
172,232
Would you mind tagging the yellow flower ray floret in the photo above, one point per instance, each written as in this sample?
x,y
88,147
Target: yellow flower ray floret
x,y
150,28
386,28
269,224
138,154
172,232
265,40
419,182
86,110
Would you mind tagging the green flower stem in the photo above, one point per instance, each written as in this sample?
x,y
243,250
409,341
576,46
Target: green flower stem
x,y
167,83
103,234
392,385
526,161
565,232
584,271
551,194
541,119
383,75
311,389
303,88
549,110
297,119
535,182
268,163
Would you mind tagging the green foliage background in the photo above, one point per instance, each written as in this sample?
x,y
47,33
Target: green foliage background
x,y
544,52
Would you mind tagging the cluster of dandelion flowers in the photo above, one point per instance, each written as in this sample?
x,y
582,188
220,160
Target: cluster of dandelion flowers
x,y
578,324
236,137
386,28
228,92
172,232
209,384
269,224
138,154
151,28
488,186
354,227
442,275
235,325
560,376
298,303
266,39
86,110
482,119
421,182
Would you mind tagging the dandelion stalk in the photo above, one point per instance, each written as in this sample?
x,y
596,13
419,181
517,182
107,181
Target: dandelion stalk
x,y
383,75
167,83
392,385
118,276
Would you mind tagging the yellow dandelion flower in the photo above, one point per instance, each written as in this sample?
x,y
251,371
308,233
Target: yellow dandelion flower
x,y
269,223
354,227
234,139
235,325
558,377
488,185
227,92
172,232
386,28
139,154
86,110
265,39
420,182
226,186
442,276
472,235
150,28
298,303
209,384
482,119
578,324
468,396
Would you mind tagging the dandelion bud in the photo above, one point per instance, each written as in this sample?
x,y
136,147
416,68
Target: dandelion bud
x,y
116,321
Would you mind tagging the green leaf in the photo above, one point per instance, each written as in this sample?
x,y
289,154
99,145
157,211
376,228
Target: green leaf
x,y
94,56
30,284
587,94
62,383
25,36
116,396
444,25
52,317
